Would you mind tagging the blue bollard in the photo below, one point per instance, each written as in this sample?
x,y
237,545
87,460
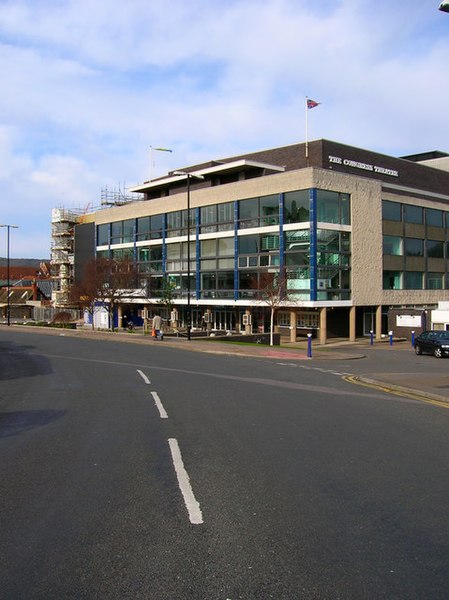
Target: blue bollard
x,y
413,339
390,333
309,345
371,337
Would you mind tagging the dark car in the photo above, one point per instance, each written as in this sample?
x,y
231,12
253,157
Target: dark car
x,y
433,342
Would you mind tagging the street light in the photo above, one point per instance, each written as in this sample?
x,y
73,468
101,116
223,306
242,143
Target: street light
x,y
189,308
8,312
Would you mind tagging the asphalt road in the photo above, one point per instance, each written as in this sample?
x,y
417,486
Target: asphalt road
x,y
150,472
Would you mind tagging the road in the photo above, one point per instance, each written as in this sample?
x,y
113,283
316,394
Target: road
x,y
150,472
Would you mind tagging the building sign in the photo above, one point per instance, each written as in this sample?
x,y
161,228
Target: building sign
x,y
356,164
408,321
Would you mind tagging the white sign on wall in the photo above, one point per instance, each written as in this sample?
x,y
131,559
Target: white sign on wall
x,y
408,320
356,164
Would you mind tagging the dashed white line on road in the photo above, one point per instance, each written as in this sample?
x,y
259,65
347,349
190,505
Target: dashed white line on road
x,y
144,377
159,405
193,507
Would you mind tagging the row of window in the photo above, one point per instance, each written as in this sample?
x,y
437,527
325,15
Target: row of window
x,y
413,280
294,207
398,246
260,250
409,213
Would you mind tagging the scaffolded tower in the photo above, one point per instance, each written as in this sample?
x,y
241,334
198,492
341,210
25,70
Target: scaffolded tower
x,y
63,223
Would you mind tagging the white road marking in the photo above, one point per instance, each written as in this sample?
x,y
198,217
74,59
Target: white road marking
x,y
193,507
159,405
144,377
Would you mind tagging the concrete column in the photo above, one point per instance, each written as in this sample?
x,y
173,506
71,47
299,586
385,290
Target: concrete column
x,y
119,316
379,323
237,320
248,328
323,325
209,323
352,327
293,325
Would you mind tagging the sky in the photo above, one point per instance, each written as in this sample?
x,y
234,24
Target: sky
x,y
89,86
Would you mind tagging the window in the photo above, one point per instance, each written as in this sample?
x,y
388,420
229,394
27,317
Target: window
x,y
129,227
413,247
103,234
259,212
391,211
217,217
117,232
413,280
435,249
392,245
333,207
434,281
392,280
249,213
143,228
434,218
413,214
296,207
269,210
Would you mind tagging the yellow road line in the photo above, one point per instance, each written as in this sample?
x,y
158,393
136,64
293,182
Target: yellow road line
x,y
396,391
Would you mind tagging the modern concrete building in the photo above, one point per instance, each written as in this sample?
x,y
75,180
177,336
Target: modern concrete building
x,y
355,236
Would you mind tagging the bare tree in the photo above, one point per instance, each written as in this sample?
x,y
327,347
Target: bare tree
x,y
105,282
271,290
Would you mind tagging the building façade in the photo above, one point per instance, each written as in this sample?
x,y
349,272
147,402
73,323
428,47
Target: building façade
x,y
361,238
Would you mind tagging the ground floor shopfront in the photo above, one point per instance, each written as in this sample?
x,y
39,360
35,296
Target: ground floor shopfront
x,y
324,323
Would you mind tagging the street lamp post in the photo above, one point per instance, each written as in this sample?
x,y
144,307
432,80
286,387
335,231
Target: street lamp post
x,y
8,309
189,307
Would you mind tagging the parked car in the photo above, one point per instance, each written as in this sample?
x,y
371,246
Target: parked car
x,y
433,342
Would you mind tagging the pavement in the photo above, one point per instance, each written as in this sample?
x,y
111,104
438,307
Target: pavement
x,y
427,385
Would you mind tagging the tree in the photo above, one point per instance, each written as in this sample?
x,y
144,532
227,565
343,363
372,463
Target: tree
x,y
271,290
105,282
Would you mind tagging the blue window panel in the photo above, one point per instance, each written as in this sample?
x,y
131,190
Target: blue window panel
x,y
313,244
236,250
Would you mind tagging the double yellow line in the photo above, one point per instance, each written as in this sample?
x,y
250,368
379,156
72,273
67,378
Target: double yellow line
x,y
397,391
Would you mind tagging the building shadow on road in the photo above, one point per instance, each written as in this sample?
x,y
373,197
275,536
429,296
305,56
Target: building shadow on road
x,y
16,422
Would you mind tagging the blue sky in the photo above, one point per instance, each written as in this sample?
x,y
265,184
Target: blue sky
x,y
90,85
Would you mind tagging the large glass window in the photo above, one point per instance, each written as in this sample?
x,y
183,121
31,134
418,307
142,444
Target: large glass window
x,y
296,207
413,247
143,228
157,226
333,207
392,245
435,249
103,234
434,281
269,210
129,227
217,217
413,214
413,280
249,213
392,280
259,212
391,211
117,232
434,217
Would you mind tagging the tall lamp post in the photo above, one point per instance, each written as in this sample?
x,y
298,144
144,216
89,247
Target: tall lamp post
x,y
8,310
189,307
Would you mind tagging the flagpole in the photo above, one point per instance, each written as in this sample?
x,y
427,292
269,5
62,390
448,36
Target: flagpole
x,y
307,132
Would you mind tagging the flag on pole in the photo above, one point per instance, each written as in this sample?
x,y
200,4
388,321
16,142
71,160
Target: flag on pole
x,y
162,149
312,103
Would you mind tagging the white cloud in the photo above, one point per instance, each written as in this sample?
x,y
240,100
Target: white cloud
x,y
94,84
